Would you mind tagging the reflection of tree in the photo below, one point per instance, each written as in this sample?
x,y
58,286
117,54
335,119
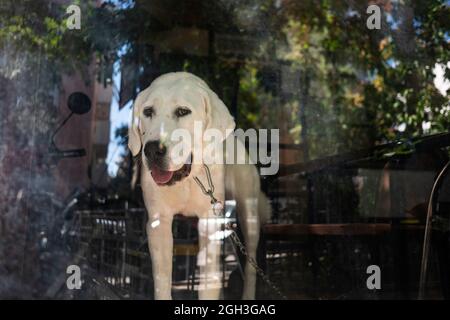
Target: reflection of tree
x,y
363,84
121,135
122,178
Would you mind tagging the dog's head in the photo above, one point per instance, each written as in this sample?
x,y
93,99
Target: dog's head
x,y
173,104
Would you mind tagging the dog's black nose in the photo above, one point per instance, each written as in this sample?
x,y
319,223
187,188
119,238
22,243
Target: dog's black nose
x,y
154,149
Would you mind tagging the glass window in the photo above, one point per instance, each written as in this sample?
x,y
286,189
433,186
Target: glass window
x,y
224,149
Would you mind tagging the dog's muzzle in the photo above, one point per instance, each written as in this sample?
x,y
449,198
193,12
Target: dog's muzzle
x,y
156,158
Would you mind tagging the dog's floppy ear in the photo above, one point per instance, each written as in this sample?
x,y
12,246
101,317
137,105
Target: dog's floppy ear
x,y
134,134
217,114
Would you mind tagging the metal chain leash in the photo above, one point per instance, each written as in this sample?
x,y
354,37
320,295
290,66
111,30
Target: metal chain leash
x,y
217,209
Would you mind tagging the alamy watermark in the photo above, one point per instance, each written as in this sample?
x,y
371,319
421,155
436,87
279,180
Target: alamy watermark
x,y
374,280
211,146
74,280
74,19
374,20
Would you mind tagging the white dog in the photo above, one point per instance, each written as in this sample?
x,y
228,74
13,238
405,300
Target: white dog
x,y
174,101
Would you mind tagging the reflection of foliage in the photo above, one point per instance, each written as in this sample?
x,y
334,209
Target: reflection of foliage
x,y
376,79
34,26
256,106
360,86
363,86
121,182
40,26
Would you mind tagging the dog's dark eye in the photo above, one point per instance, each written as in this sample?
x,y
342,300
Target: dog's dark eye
x,y
148,112
182,111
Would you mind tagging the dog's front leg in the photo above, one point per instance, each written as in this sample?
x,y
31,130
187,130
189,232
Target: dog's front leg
x,y
209,258
160,242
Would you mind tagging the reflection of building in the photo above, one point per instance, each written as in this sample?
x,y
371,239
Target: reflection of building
x,y
103,96
89,131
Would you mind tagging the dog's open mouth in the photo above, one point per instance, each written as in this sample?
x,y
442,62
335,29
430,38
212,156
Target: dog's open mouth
x,y
167,178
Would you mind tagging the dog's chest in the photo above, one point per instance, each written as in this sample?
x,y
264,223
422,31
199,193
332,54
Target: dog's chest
x,y
194,201
185,198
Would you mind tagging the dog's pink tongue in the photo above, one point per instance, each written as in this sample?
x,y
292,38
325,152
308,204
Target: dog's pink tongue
x,y
161,176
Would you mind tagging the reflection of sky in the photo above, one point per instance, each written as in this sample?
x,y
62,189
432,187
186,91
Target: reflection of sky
x,y
441,83
118,118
